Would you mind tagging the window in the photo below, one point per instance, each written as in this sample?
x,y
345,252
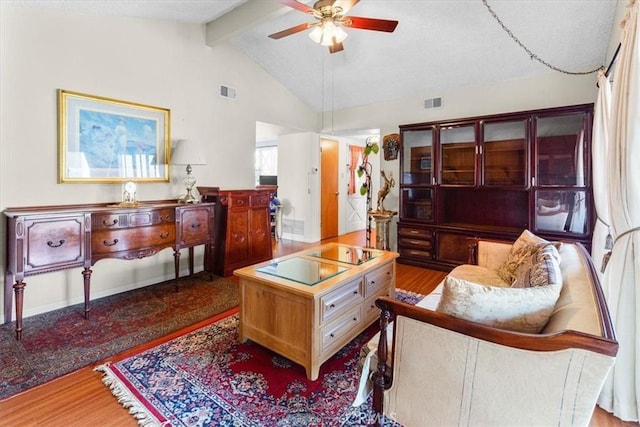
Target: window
x,y
266,161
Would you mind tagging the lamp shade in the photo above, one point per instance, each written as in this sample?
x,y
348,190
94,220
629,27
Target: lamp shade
x,y
187,152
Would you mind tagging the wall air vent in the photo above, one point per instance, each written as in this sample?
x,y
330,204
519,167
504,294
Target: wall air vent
x,y
433,103
227,92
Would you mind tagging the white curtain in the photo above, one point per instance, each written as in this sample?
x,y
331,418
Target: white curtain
x,y
621,284
599,149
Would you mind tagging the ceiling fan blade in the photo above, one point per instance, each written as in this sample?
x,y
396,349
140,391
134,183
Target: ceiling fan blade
x,y
289,31
297,5
345,5
370,23
336,47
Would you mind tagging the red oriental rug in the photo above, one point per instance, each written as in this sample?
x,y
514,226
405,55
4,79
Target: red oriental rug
x,y
207,378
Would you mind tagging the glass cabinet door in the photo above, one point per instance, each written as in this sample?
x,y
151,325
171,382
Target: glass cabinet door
x,y
560,150
417,204
562,211
505,153
458,155
417,152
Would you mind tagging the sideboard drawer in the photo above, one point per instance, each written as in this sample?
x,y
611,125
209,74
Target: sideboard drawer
x,y
336,301
131,239
195,225
261,199
136,218
54,243
239,201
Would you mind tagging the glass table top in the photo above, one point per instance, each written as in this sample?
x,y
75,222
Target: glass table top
x,y
302,270
348,254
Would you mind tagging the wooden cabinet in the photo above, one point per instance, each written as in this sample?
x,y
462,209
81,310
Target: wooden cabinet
x,y
494,176
52,238
243,228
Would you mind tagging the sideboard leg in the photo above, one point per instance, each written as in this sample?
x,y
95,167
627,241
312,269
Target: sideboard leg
x,y
18,288
176,261
86,273
191,261
8,296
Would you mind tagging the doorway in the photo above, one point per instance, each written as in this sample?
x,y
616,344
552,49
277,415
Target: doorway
x,y
329,192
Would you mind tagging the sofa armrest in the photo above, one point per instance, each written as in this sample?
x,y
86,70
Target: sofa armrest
x,y
545,345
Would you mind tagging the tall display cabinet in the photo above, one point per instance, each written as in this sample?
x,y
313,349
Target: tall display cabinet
x,y
492,177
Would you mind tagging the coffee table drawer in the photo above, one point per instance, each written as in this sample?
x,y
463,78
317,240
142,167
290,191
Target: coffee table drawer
x,y
334,333
378,279
337,301
371,311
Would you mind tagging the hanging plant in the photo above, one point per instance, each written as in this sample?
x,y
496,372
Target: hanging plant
x,y
365,168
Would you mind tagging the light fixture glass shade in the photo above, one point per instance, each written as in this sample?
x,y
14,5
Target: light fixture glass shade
x,y
316,34
327,34
188,153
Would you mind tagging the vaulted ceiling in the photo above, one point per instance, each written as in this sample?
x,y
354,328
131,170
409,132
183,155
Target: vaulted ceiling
x,y
437,45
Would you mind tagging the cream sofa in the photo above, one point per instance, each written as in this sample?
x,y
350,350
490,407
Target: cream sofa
x,y
445,371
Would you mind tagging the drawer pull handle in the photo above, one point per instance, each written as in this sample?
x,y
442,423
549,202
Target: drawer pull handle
x,y
107,243
109,224
164,235
241,202
414,232
332,306
55,245
331,335
355,319
167,217
195,226
356,292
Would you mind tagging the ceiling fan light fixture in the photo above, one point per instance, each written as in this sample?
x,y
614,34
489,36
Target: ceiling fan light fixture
x,y
327,33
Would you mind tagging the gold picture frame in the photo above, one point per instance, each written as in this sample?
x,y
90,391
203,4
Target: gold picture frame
x,y
104,140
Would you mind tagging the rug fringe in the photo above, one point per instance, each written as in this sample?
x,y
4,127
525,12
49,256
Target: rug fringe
x,y
126,399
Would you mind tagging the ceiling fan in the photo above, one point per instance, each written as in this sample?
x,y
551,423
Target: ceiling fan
x,y
330,16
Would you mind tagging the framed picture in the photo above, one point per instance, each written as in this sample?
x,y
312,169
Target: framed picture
x,y
425,163
103,140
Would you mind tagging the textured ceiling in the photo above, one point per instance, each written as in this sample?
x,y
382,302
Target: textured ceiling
x,y
438,44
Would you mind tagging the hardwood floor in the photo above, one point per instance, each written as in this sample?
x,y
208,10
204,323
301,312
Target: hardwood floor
x,y
80,398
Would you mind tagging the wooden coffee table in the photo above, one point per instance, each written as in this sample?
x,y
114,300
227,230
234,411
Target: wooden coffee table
x,y
308,305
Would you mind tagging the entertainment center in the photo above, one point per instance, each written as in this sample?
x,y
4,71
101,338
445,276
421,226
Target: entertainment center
x,y
492,177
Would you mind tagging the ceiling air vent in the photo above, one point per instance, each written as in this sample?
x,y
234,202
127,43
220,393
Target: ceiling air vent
x,y
433,103
227,92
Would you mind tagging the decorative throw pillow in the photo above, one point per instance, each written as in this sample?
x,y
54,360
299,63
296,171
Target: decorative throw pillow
x,y
516,309
522,248
541,268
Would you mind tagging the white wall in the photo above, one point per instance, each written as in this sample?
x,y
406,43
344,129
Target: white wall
x,y
151,62
299,186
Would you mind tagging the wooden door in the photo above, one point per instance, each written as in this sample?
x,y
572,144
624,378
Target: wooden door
x,y
329,189
260,245
237,245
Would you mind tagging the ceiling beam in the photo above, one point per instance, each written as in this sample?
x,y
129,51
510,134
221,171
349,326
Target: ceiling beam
x,y
242,18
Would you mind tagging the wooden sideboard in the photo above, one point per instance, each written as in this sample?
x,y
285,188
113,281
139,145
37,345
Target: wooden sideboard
x,y
52,238
243,227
